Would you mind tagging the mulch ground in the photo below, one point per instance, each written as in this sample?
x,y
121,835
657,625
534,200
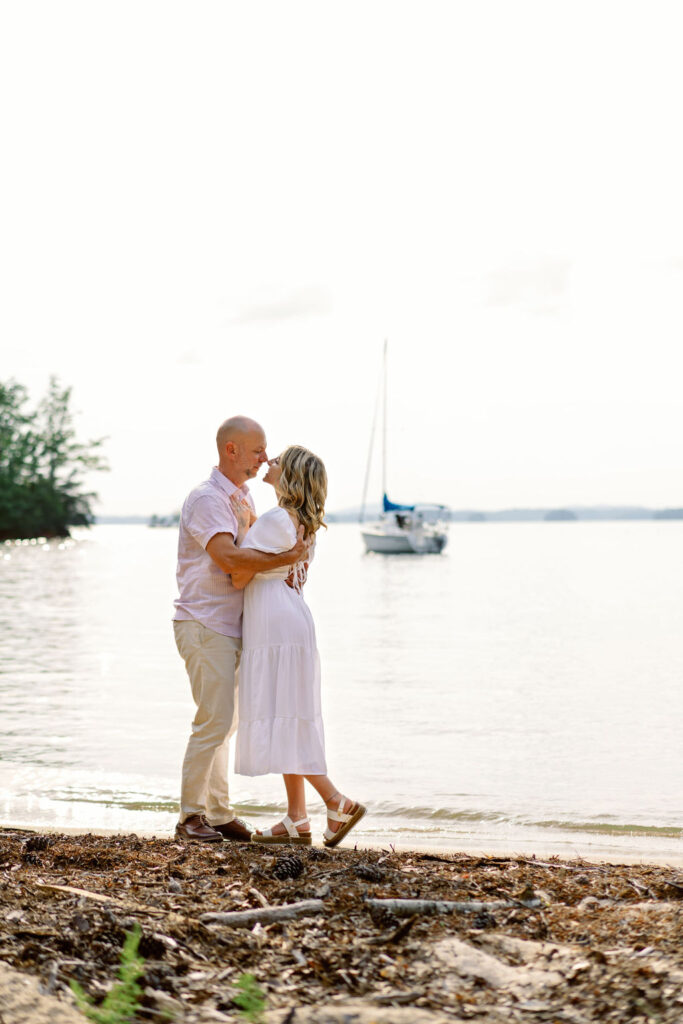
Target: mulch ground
x,y
624,921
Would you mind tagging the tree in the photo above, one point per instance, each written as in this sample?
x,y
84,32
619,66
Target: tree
x,y
42,465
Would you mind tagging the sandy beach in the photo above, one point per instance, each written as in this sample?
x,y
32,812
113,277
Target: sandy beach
x,y
369,934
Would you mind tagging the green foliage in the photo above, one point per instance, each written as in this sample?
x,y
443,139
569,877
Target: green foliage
x,y
250,998
42,465
121,1002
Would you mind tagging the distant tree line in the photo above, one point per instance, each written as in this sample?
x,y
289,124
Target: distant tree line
x,y
42,465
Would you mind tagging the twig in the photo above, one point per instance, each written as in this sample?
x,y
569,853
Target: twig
x,y
259,896
98,896
247,918
329,874
565,867
486,861
435,857
129,905
399,998
392,937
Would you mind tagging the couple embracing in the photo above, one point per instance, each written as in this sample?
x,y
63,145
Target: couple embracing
x,y
241,612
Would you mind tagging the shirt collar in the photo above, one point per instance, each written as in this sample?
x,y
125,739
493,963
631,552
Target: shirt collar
x,y
222,482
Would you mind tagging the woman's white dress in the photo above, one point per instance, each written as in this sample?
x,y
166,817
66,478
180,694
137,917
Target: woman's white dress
x,y
280,723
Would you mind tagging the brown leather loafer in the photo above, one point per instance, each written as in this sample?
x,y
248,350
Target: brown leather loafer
x,y
236,831
196,827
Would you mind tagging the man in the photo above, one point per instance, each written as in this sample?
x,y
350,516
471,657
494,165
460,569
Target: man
x,y
208,622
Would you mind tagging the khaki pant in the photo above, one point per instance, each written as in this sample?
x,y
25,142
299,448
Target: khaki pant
x,y
212,662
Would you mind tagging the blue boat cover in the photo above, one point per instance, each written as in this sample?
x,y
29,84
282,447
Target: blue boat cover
x,y
390,506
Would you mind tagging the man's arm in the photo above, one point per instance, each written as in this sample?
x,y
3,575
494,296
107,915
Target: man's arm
x,y
234,560
240,578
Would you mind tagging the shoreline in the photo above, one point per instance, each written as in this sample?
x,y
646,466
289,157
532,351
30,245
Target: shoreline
x,y
535,851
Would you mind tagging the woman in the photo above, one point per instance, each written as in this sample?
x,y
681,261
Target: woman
x,y
280,722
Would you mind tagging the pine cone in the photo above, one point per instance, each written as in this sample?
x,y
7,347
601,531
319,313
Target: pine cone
x,y
383,918
317,853
37,843
288,866
369,872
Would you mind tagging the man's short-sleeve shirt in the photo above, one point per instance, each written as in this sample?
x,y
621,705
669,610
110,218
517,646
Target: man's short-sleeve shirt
x,y
206,593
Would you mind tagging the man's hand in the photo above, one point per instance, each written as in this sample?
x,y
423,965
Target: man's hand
x,y
302,576
303,557
299,553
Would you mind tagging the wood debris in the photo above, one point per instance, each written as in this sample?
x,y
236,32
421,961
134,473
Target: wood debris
x,y
532,941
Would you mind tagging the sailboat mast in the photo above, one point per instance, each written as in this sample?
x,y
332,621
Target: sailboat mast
x,y
384,427
371,447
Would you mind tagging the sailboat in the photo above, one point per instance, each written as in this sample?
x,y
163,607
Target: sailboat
x,y
417,529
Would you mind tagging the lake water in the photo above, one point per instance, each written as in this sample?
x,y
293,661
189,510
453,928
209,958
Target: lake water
x,y
520,693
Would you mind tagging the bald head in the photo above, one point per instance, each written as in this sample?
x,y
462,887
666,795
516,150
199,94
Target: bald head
x,y
241,444
235,429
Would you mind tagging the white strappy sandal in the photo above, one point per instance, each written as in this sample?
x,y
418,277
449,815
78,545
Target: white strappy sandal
x,y
291,836
348,820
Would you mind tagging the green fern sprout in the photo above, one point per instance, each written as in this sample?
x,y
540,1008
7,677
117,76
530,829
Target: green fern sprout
x,y
121,1003
250,999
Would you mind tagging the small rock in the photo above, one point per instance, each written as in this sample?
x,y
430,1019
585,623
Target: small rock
x,y
166,1003
174,885
485,919
165,940
578,967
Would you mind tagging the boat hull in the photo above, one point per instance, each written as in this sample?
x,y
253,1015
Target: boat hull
x,y
403,544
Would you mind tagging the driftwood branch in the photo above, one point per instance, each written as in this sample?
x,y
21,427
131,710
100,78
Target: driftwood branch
x,y
101,898
247,918
405,908
488,861
125,904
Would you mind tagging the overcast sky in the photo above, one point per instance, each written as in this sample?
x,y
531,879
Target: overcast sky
x,y
220,208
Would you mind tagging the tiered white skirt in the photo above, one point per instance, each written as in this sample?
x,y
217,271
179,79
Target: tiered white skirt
x,y
280,727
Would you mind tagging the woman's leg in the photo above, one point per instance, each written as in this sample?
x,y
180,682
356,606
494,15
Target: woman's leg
x,y
324,786
296,804
296,800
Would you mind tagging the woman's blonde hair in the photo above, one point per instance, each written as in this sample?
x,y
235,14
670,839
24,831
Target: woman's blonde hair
x,y
302,487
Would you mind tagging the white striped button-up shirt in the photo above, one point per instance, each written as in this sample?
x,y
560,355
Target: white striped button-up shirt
x,y
206,593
